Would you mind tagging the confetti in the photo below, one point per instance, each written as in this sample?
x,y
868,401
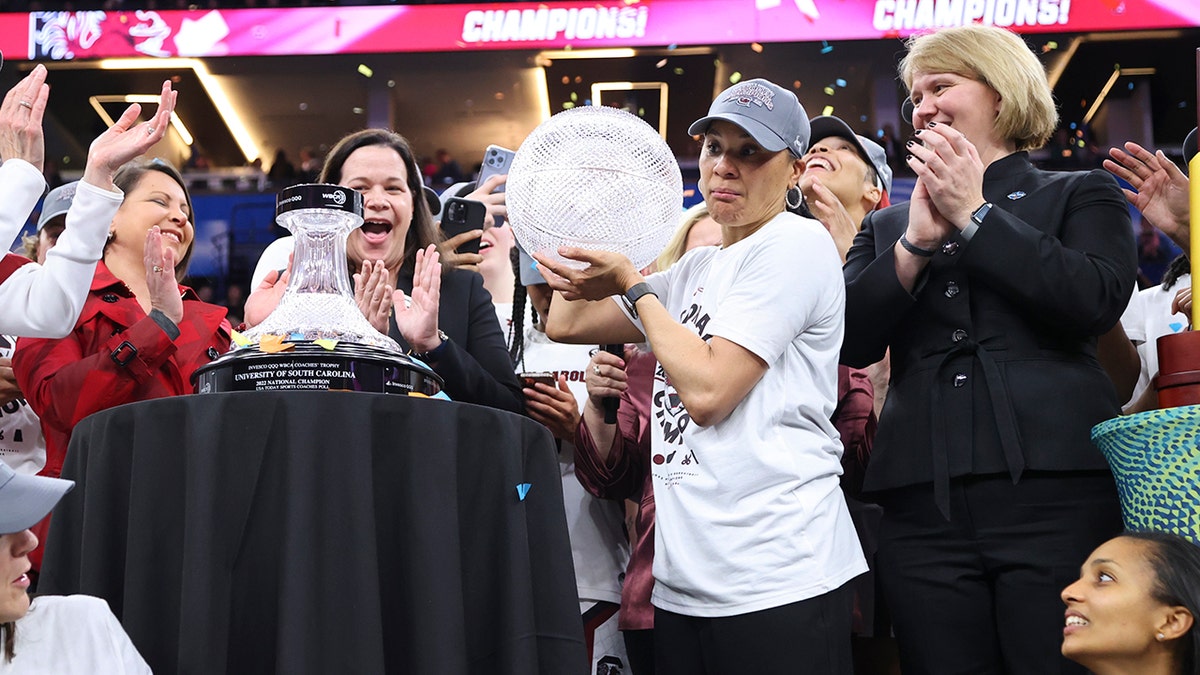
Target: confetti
x,y
522,490
735,78
826,47
239,339
273,344
326,343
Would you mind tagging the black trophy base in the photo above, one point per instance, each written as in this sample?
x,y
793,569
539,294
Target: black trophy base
x,y
309,366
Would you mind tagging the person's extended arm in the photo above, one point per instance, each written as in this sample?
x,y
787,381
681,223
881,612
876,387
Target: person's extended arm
x,y
46,301
710,376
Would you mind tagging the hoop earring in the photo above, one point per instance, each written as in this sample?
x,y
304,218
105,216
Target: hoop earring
x,y
787,198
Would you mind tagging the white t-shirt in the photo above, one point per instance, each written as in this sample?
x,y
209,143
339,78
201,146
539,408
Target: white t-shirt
x,y
1147,318
750,515
45,300
22,445
72,635
599,546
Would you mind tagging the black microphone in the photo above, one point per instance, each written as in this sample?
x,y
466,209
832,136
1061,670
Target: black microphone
x,y
612,403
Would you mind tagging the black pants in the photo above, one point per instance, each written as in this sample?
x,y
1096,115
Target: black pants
x,y
980,594
810,636
639,648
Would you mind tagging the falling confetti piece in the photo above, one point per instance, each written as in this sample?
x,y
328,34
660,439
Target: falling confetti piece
x,y
828,110
327,344
826,47
735,78
829,90
756,47
239,339
840,82
522,490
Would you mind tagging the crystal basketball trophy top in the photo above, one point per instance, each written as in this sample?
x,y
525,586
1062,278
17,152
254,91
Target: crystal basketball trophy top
x,y
317,338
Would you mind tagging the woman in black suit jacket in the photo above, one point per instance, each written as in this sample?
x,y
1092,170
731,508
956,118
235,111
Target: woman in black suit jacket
x,y
989,287
443,314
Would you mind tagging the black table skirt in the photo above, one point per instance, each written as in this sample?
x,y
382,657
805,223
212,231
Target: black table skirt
x,y
321,532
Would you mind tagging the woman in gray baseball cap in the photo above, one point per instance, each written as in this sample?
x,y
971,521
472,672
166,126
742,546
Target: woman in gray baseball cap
x,y
754,546
57,634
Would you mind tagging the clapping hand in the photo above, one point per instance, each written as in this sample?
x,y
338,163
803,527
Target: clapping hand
x,y
160,276
125,140
417,316
373,294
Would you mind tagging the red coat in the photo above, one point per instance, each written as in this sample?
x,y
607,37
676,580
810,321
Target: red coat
x,y
70,378
67,379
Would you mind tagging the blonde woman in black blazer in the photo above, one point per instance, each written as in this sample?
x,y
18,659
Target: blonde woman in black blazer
x,y
989,287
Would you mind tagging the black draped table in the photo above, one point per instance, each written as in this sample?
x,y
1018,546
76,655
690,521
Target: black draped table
x,y
321,532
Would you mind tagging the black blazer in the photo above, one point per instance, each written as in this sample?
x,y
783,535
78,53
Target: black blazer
x,y
993,355
474,364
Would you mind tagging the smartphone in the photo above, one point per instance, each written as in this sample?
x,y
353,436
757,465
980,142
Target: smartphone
x,y
463,215
496,161
528,379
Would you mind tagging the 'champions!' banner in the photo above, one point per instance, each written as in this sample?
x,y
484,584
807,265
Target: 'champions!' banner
x,y
550,25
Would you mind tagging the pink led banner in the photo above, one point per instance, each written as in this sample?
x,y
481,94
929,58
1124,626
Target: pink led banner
x,y
555,25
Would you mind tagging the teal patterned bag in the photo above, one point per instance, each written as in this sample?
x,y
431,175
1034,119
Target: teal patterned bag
x,y
1155,458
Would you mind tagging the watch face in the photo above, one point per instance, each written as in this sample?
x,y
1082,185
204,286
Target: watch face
x,y
629,306
981,213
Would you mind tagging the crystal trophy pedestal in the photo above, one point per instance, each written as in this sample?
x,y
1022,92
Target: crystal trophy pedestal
x,y
317,310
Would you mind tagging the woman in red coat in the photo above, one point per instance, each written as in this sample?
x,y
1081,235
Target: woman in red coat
x,y
141,334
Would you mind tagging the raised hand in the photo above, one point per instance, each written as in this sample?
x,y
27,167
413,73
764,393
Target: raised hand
x,y
417,316
1160,189
160,276
125,139
373,294
21,113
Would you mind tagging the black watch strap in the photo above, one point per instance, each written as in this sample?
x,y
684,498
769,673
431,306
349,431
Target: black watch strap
x,y
634,294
